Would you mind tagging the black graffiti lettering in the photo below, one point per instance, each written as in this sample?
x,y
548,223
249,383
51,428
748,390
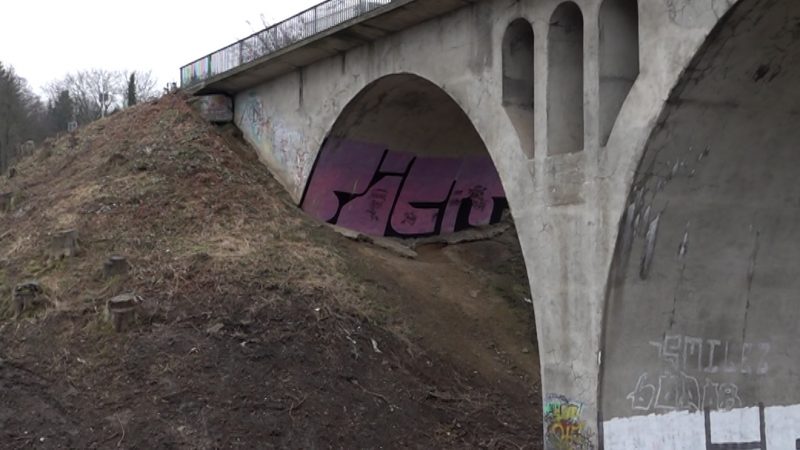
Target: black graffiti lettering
x,y
500,206
439,208
346,197
383,202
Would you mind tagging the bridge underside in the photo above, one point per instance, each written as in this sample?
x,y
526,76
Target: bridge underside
x,y
658,235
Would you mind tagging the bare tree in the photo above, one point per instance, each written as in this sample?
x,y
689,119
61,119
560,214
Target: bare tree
x,y
273,37
144,82
94,92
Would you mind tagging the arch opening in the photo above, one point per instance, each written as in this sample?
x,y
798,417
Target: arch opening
x,y
619,59
701,319
518,81
565,93
404,160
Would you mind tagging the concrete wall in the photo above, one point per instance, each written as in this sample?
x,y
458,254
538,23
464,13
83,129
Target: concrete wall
x,y
703,313
567,206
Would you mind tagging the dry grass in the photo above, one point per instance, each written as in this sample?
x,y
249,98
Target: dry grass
x,y
174,195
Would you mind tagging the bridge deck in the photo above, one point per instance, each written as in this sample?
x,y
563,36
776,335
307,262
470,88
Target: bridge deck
x,y
327,29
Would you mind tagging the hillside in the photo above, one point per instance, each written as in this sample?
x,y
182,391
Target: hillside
x,y
256,326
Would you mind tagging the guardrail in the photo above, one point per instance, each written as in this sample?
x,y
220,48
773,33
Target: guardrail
x,y
297,28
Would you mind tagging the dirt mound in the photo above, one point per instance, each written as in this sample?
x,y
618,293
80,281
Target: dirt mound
x,y
256,326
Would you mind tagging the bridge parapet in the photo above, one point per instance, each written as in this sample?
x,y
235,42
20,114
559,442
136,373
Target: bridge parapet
x,y
295,29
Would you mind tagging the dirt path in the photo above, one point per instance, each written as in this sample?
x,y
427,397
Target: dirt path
x,y
466,302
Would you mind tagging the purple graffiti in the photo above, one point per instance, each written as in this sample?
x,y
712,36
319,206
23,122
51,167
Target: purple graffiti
x,y
382,192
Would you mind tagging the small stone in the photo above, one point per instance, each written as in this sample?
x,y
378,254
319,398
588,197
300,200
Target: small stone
x,y
526,350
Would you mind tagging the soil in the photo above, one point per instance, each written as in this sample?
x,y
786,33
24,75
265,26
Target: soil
x,y
257,327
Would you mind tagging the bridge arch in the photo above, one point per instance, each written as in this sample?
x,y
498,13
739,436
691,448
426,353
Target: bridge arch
x,y
403,159
700,325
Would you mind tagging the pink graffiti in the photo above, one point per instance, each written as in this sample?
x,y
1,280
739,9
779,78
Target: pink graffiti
x,y
382,192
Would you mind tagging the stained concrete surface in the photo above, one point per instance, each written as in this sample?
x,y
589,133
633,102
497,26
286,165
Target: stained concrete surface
x,y
703,312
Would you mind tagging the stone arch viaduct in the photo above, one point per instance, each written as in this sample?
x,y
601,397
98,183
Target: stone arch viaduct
x,y
647,150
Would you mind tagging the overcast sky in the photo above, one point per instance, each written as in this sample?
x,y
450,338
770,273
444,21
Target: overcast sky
x,y
45,39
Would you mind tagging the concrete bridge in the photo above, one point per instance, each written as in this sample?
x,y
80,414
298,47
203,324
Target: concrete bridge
x,y
648,151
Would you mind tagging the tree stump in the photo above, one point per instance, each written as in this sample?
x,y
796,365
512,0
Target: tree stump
x,y
122,311
64,244
6,202
28,148
116,266
27,296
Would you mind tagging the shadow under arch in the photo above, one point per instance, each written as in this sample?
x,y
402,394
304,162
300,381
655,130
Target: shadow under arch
x,y
701,309
403,159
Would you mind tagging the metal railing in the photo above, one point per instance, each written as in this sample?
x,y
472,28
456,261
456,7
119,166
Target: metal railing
x,y
302,26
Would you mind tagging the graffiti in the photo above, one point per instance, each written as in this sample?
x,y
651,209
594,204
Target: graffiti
x,y
381,192
713,356
686,362
281,145
379,198
252,120
761,444
682,392
565,427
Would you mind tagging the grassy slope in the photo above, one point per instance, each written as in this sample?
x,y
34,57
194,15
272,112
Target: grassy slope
x,y
253,331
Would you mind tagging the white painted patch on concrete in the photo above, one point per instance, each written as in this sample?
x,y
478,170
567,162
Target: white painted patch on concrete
x,y
783,427
739,425
678,430
687,431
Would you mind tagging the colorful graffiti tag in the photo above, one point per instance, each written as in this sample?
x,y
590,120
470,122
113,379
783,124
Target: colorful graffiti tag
x,y
381,192
565,428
